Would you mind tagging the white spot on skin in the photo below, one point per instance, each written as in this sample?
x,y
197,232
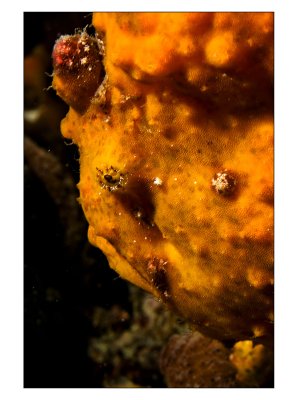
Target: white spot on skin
x,y
223,183
157,181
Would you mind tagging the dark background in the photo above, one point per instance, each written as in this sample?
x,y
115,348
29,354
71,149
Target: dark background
x,y
62,283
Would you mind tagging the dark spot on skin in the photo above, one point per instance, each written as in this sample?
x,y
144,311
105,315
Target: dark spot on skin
x,y
204,252
158,275
134,194
138,199
267,195
143,217
169,133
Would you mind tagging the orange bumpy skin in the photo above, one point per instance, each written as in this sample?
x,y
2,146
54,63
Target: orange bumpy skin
x,y
176,163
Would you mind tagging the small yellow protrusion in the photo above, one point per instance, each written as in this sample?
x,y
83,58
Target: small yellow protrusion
x,y
220,49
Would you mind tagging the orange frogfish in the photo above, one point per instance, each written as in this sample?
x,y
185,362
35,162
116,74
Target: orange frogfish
x,y
173,117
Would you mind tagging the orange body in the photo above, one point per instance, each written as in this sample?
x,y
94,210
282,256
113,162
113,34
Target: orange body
x,y
187,102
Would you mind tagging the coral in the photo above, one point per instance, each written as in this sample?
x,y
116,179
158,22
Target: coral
x,y
254,363
176,160
192,360
128,344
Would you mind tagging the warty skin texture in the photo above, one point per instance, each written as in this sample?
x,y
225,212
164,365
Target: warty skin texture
x,y
186,96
